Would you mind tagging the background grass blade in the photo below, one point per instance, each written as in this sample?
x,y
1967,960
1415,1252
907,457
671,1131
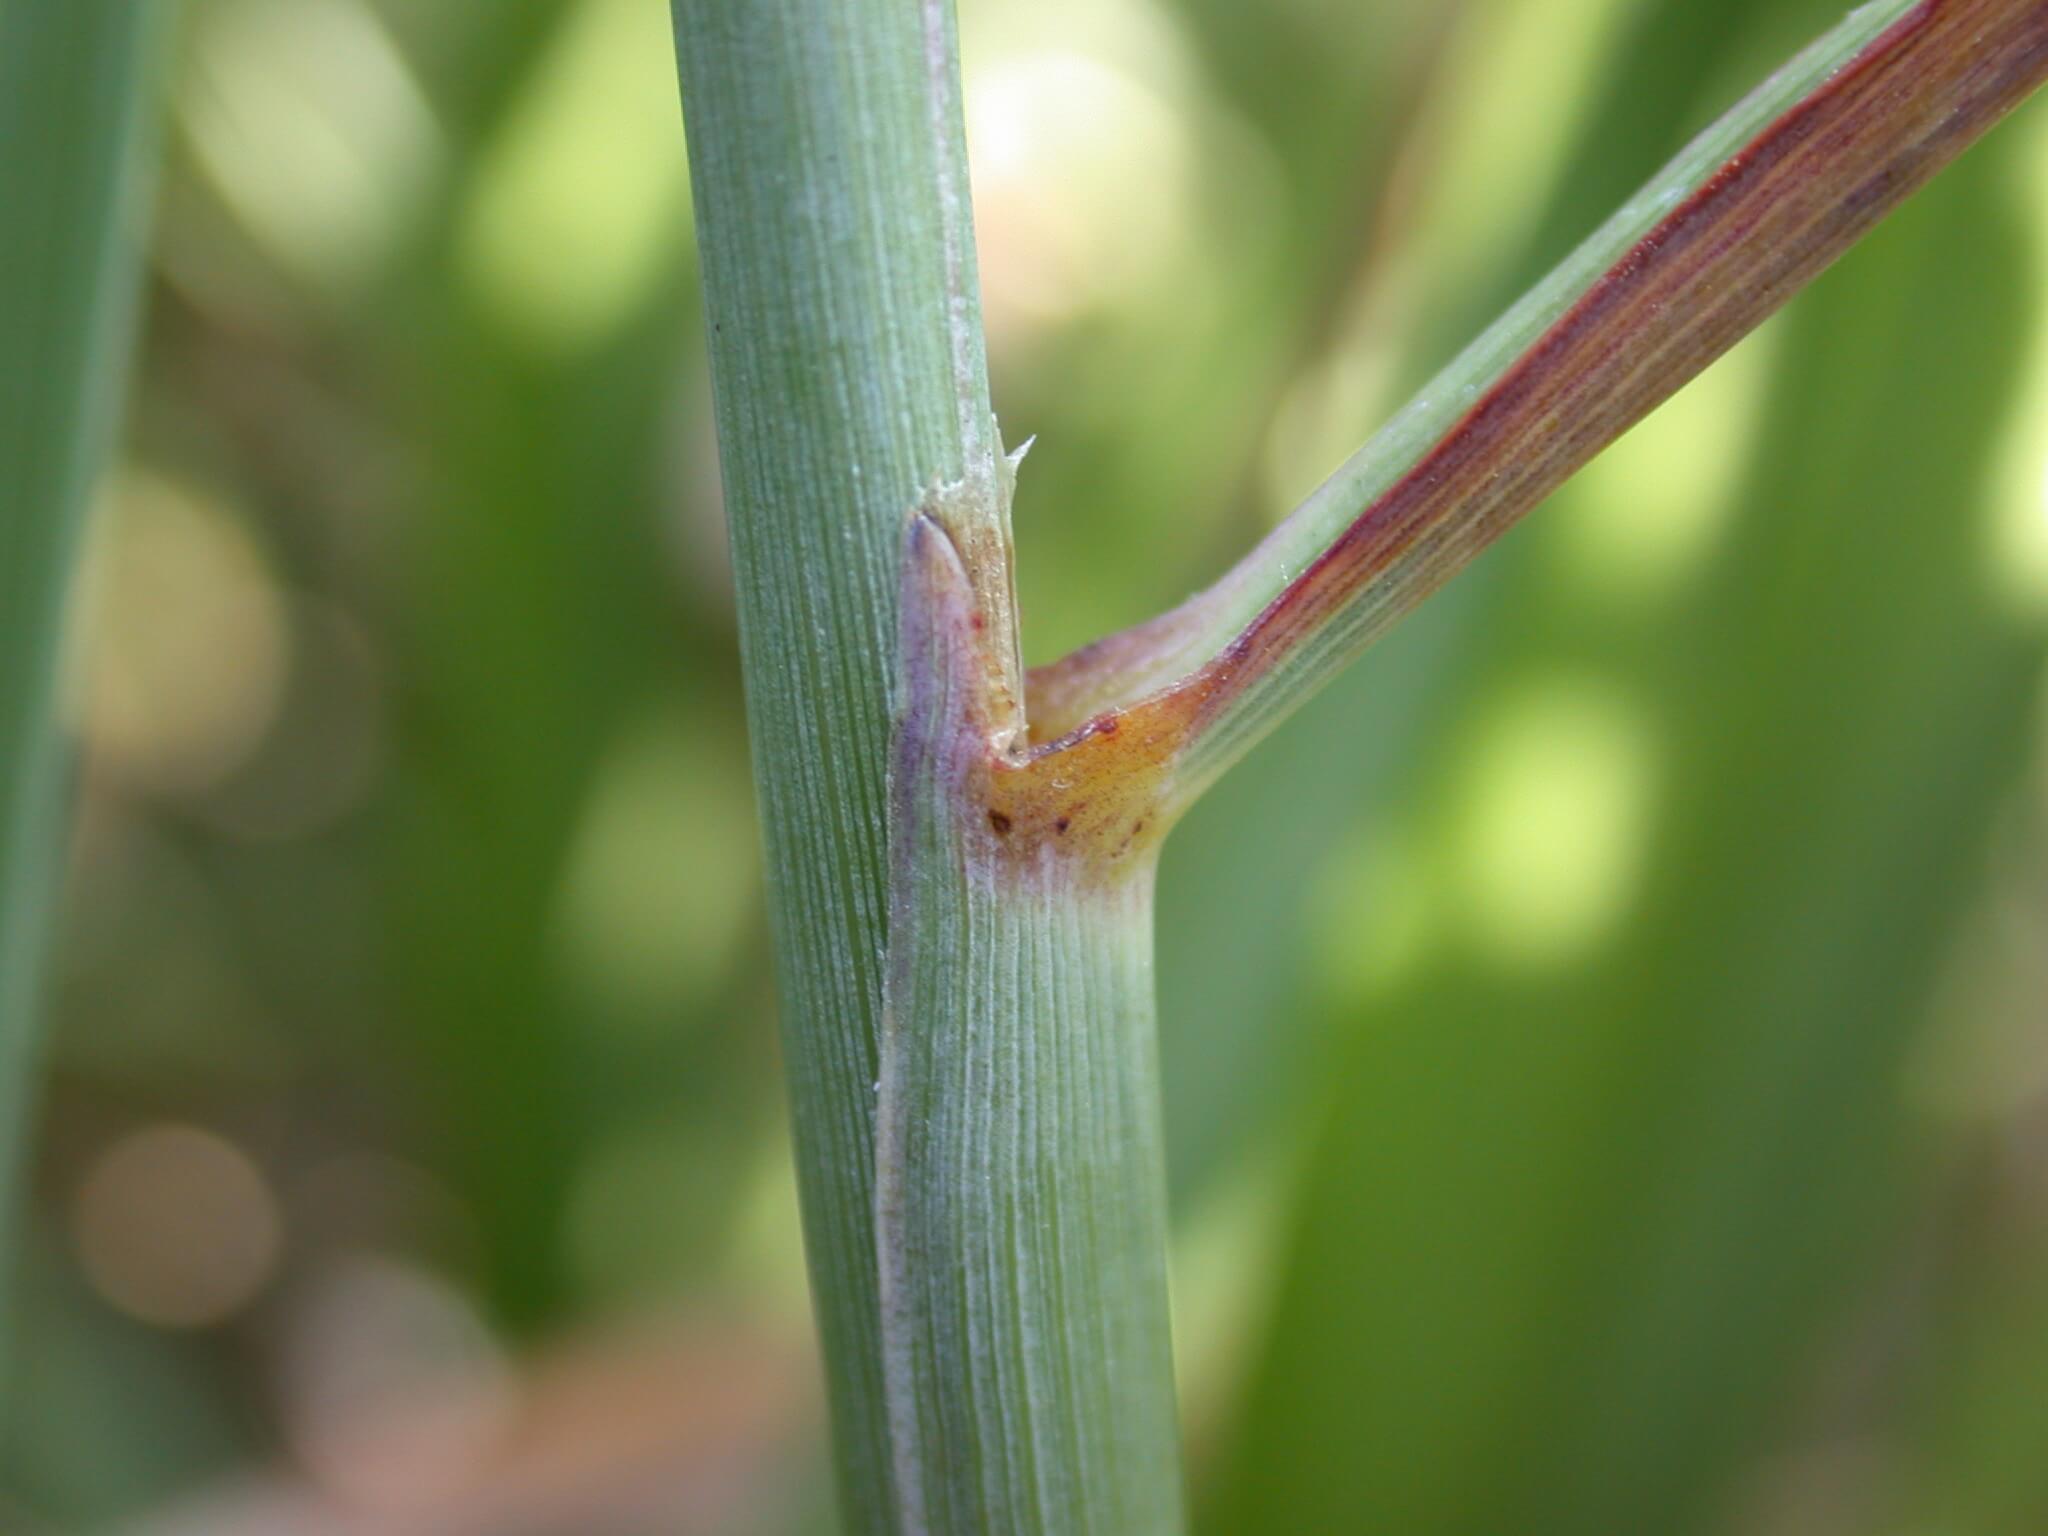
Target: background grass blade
x,y
73,112
1580,1213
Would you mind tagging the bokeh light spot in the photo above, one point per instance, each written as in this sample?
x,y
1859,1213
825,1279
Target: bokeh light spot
x,y
664,875
188,645
584,195
1553,822
1082,155
176,1226
310,124
397,1393
2016,542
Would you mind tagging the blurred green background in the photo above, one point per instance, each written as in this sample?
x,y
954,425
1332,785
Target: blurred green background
x,y
1606,1036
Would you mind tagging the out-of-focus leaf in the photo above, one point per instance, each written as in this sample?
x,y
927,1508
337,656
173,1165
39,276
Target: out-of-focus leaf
x,y
540,637
1237,1030
72,119
1587,1193
1235,1025
1329,97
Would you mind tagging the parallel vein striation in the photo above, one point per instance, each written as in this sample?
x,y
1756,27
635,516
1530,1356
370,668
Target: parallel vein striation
x,y
828,172
1746,215
1021,1194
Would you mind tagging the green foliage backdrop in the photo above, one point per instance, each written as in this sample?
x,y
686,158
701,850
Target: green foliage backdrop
x,y
1606,1057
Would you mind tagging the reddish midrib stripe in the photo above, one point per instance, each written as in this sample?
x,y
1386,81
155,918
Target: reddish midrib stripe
x,y
1503,433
